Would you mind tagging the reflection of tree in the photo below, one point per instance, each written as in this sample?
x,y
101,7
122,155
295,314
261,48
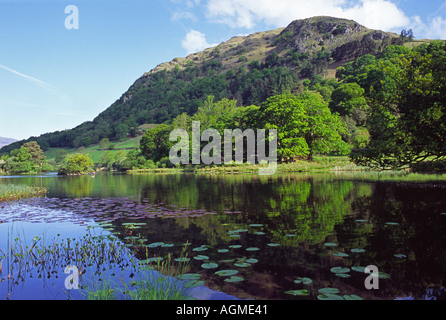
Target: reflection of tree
x,y
419,235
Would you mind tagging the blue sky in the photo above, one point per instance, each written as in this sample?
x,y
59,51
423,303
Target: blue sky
x,y
53,78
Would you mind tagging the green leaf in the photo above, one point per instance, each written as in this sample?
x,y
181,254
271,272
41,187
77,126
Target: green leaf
x,y
302,292
303,280
209,265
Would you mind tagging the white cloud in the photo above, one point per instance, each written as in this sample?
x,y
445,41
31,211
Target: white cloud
x,y
195,41
376,14
435,28
36,81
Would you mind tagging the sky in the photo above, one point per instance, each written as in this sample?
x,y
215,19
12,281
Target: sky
x,y
62,62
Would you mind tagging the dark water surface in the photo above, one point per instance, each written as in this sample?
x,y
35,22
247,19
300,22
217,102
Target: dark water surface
x,y
272,230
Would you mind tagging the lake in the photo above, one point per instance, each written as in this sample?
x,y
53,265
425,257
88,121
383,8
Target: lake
x,y
283,237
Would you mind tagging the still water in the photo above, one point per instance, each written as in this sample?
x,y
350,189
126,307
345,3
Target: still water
x,y
282,237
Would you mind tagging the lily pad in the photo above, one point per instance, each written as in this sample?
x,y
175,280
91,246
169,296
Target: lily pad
x,y
357,250
194,283
329,296
201,257
273,245
182,259
252,260
358,269
340,254
226,273
392,223
209,265
340,270
235,246
303,280
189,276
256,225
352,297
400,256
242,264
252,249
328,290
342,275
330,244
234,279
222,250
302,292
202,248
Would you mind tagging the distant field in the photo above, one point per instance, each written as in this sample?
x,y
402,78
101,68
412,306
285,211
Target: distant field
x,y
95,151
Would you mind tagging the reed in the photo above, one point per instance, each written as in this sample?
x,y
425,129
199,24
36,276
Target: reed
x,y
16,192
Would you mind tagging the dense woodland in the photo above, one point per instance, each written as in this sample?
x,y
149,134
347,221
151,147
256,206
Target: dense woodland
x,y
386,110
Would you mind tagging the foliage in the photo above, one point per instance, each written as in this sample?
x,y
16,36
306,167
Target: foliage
x,y
155,144
407,121
29,158
305,125
77,163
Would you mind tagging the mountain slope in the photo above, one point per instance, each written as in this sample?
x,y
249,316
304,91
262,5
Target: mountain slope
x,y
6,141
248,69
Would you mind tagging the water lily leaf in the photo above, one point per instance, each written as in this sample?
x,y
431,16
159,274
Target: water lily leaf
x,y
252,249
235,246
226,273
234,279
201,257
328,290
209,265
329,296
256,225
259,233
392,223
340,254
352,297
302,292
358,269
340,270
303,280
222,250
273,245
357,250
194,283
182,259
252,260
330,244
342,275
242,264
400,256
381,275
202,248
189,276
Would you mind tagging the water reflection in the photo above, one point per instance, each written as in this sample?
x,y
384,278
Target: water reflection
x,y
287,226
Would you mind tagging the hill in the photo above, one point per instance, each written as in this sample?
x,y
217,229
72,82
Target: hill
x,y
6,141
246,68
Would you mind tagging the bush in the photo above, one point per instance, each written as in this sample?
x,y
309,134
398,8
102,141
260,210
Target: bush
x,y
77,164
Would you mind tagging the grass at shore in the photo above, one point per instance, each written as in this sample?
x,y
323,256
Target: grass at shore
x,y
319,164
17,192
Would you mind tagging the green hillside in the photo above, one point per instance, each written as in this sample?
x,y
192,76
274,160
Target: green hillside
x,y
247,69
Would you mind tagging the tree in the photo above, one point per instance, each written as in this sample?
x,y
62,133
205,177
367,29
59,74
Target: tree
x,y
155,144
305,125
77,163
407,122
287,115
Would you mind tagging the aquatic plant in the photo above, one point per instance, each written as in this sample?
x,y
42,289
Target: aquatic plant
x,y
16,192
